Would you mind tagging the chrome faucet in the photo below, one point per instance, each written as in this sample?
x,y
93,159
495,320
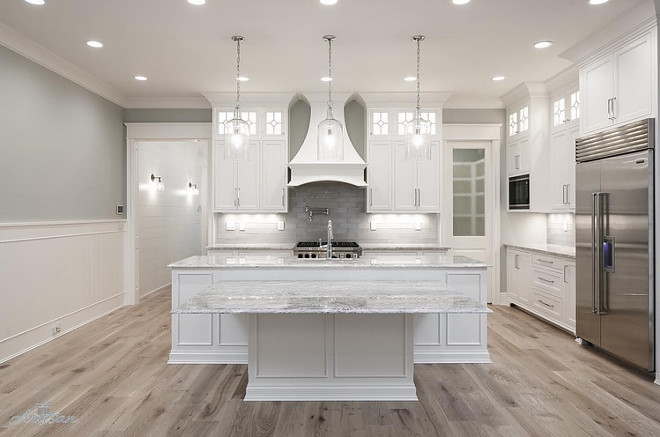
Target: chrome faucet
x,y
311,211
328,245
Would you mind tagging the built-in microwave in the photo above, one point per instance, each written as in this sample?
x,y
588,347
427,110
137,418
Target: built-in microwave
x,y
519,192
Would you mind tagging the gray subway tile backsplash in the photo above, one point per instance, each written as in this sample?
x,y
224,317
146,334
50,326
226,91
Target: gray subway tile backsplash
x,y
347,210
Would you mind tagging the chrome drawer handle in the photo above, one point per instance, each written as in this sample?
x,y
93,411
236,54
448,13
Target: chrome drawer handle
x,y
544,261
546,304
546,280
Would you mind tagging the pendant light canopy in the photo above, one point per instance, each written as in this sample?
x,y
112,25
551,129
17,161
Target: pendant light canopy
x,y
237,130
330,137
418,130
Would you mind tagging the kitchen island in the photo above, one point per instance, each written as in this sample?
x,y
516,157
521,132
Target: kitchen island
x,y
223,338
322,341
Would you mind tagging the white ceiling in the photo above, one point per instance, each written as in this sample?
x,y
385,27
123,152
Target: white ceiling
x,y
185,49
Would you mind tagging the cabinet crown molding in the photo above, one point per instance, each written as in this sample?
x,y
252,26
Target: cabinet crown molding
x,y
405,99
249,99
525,90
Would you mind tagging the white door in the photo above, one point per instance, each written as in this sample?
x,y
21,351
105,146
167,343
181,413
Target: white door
x,y
248,181
273,176
468,208
379,176
405,180
428,181
597,81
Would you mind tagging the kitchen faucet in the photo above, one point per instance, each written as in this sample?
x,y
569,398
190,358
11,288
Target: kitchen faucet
x,y
312,211
328,245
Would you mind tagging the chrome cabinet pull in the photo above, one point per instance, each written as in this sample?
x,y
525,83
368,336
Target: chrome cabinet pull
x,y
235,197
238,197
613,108
544,261
563,194
283,195
419,197
568,194
517,162
546,304
565,281
609,109
546,280
371,197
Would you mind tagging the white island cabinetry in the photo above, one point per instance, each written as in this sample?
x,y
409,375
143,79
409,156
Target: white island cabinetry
x,y
223,338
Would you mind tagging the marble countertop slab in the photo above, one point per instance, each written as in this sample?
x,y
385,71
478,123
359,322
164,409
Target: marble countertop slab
x,y
550,249
290,246
330,297
402,247
250,246
441,260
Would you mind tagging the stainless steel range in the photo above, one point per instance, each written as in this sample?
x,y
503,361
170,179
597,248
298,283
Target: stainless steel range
x,y
318,249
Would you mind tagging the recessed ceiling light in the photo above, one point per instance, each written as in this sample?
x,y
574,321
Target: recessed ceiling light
x,y
243,79
597,2
326,79
328,2
460,2
410,78
141,78
95,44
498,78
542,44
197,2
36,2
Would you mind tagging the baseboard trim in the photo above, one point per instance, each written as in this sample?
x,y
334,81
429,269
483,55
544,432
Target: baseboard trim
x,y
480,357
331,393
177,357
169,284
40,335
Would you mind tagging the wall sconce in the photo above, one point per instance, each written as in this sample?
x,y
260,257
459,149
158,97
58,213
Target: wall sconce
x,y
157,182
192,189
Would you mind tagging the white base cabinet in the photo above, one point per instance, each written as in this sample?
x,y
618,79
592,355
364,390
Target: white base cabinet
x,y
543,285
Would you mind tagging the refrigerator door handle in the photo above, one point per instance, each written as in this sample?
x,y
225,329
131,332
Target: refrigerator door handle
x,y
595,253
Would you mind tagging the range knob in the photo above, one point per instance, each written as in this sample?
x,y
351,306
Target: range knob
x,y
306,255
313,255
300,255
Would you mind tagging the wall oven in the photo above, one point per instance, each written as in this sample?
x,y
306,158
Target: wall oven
x,y
519,192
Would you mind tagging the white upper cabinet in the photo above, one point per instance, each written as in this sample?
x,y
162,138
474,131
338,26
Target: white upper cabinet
x,y
397,185
619,86
260,183
518,156
518,121
562,169
379,176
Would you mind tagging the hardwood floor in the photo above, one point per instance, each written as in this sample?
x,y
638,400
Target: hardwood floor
x,y
112,375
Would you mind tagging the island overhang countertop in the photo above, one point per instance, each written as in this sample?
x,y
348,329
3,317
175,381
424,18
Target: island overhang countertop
x,y
403,261
330,297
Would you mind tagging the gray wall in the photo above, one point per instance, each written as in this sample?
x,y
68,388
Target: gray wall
x,y
62,154
140,115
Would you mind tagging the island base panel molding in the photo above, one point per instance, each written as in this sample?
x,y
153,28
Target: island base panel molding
x,y
336,357
223,338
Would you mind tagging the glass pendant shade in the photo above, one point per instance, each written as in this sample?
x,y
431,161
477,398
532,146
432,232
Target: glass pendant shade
x,y
418,140
237,138
330,140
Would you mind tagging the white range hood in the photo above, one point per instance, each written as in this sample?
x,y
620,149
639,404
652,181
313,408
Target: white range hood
x,y
305,166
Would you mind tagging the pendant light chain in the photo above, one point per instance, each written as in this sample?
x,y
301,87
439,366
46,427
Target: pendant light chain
x,y
330,104
237,108
418,85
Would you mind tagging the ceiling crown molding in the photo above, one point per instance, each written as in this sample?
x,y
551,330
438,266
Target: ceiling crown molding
x,y
639,19
405,99
524,90
44,57
228,99
168,102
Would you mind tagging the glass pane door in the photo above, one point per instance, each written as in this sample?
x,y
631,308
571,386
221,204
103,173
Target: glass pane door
x,y
469,199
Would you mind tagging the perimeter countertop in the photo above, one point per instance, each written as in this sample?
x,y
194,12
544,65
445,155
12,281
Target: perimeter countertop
x,y
440,260
368,246
330,297
550,249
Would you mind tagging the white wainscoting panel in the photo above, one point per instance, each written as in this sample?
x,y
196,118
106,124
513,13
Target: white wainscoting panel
x,y
57,275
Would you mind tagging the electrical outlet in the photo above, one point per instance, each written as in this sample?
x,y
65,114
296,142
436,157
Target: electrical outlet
x,y
418,226
280,226
565,226
120,209
231,226
57,329
241,226
373,226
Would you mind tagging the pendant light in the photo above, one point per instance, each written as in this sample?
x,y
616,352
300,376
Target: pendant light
x,y
330,137
418,130
237,130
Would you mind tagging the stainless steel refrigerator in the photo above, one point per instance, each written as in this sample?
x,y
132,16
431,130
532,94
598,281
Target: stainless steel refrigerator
x,y
614,242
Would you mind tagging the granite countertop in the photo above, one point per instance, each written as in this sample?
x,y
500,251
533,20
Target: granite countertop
x,y
330,297
367,246
550,249
289,261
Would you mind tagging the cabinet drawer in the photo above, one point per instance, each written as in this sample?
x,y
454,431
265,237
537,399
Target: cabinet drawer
x,y
547,305
549,281
547,261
